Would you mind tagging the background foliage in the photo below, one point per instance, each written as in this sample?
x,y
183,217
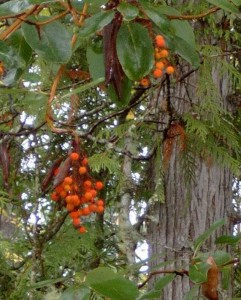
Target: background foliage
x,y
60,79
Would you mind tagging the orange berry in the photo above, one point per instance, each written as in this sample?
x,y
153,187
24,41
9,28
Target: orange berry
x,y
160,65
63,194
54,196
68,199
74,156
79,213
82,170
75,200
163,53
145,82
100,202
86,211
67,187
93,207
84,162
74,214
76,222
87,184
88,196
100,209
82,229
170,70
70,207
157,73
59,189
160,41
93,192
99,185
68,180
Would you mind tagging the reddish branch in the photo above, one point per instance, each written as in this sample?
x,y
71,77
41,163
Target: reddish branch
x,y
180,273
195,17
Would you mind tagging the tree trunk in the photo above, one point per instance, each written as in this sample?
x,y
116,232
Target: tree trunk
x,y
189,209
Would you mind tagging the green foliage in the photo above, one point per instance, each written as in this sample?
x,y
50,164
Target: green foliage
x,y
45,256
135,50
52,43
111,285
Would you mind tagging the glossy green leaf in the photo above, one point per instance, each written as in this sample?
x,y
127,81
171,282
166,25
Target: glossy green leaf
x,y
20,45
52,42
225,5
128,11
96,63
187,52
184,31
203,237
198,272
80,293
14,7
159,19
96,22
135,50
111,285
165,280
227,239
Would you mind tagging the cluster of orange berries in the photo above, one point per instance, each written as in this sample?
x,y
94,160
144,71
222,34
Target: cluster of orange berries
x,y
161,55
162,64
78,192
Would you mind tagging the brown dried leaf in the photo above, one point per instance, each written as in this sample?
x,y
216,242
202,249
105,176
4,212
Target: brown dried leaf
x,y
63,172
210,287
5,162
113,70
47,179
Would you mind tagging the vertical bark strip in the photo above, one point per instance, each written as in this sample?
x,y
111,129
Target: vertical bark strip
x,y
189,210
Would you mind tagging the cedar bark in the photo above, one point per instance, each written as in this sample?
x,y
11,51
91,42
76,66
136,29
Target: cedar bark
x,y
188,210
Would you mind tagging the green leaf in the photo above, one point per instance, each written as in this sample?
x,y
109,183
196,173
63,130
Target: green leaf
x,y
221,257
203,237
190,295
20,45
48,282
159,19
111,285
165,280
225,5
150,295
84,87
128,11
98,162
135,50
184,31
187,51
226,275
126,94
80,293
96,63
96,23
14,7
12,63
227,239
198,272
52,42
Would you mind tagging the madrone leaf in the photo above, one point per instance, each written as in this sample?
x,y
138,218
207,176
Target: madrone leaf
x,y
135,50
